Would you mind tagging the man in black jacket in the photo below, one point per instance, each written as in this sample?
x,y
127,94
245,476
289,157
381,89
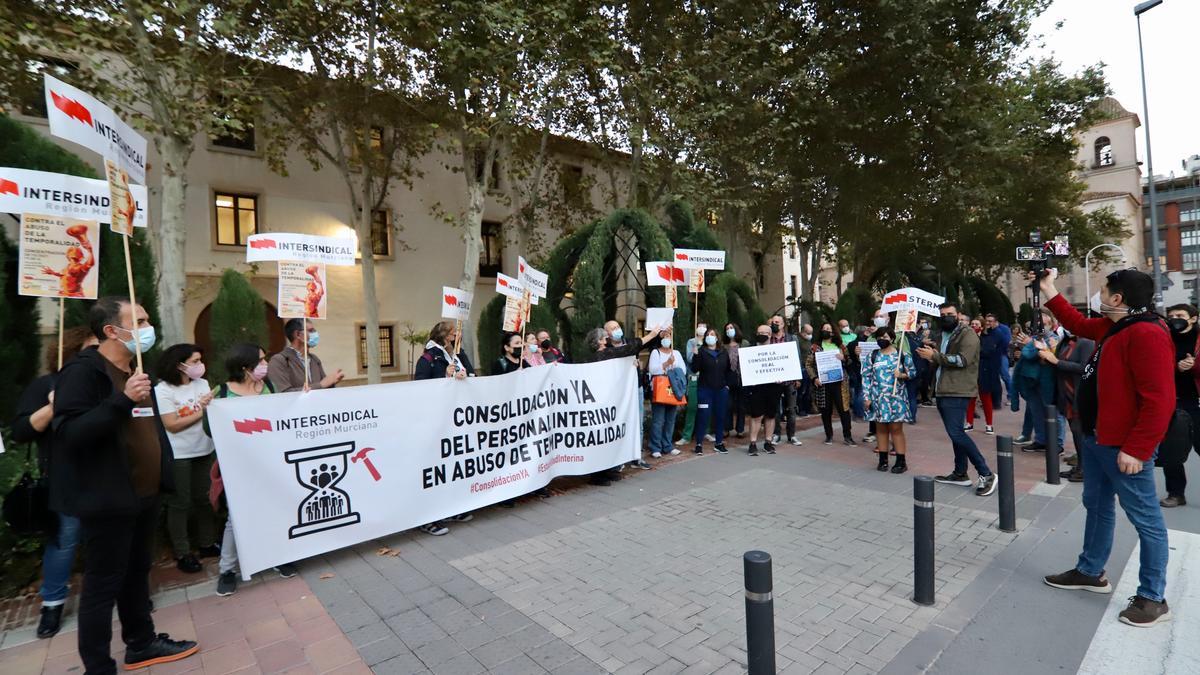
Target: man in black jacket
x,y
601,348
110,460
1069,358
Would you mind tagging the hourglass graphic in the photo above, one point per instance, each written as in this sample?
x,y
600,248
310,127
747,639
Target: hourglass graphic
x,y
327,506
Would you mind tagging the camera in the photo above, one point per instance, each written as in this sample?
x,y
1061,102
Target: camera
x,y
1039,253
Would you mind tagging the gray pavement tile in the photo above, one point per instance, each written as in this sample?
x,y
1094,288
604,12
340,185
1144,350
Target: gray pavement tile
x,y
520,665
382,650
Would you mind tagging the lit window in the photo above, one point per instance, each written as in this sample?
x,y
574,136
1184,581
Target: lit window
x,y
237,218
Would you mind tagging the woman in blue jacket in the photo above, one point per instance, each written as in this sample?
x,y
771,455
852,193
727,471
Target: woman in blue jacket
x,y
712,364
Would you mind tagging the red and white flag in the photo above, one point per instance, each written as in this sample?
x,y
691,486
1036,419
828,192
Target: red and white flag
x,y
456,303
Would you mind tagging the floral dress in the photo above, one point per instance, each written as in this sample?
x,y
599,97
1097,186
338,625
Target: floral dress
x,y
888,398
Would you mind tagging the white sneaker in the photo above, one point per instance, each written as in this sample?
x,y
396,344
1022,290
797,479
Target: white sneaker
x,y
989,430
656,455
794,441
673,452
682,441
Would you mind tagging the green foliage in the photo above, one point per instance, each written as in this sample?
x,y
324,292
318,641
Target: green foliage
x,y
729,298
818,313
1025,313
20,340
492,318
992,300
237,315
857,305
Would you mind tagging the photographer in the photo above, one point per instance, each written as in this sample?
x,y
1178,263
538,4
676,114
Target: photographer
x,y
1125,400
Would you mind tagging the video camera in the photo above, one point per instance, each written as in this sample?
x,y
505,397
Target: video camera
x,y
1038,254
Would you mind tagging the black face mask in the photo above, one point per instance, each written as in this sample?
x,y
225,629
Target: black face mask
x,y
1178,325
774,328
546,344
949,322
826,334
884,343
516,351
762,339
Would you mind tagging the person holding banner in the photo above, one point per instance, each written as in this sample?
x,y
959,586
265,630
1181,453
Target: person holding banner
x,y
286,368
512,347
786,408
715,372
436,361
602,349
35,412
830,396
668,377
112,460
550,353
885,397
763,403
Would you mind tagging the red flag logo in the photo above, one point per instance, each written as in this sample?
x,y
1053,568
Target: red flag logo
x,y
450,300
9,187
72,108
251,426
681,256
895,297
671,273
262,243
503,282
522,268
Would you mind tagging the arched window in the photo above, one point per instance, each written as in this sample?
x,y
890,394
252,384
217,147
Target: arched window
x,y
1104,156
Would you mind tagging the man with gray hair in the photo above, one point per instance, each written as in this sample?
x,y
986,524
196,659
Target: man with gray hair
x,y
601,349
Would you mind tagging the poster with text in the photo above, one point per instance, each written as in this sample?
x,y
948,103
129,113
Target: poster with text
x,y
671,295
696,281
58,257
511,288
57,194
829,367
302,290
121,203
456,303
697,259
906,321
531,279
311,248
764,364
514,314
77,116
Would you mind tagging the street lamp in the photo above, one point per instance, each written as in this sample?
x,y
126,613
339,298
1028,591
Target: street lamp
x,y
1140,9
1087,273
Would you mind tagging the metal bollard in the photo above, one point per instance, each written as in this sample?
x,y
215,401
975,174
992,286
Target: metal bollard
x,y
923,540
760,613
1004,474
1052,445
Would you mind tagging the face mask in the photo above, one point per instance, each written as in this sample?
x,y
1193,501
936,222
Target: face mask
x,y
762,339
924,326
880,321
701,330
515,351
729,333
533,349
949,322
314,338
846,330
1178,325
666,342
826,334
259,373
1100,308
145,337
546,344
884,343
195,371
618,335
774,328
711,340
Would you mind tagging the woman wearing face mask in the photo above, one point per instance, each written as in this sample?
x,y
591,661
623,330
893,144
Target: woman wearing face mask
x,y
834,395
533,351
990,351
886,397
736,419
246,375
689,353
665,362
513,347
183,394
711,363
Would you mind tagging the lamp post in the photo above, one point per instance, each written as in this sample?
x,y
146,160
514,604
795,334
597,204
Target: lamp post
x,y
1140,9
1087,272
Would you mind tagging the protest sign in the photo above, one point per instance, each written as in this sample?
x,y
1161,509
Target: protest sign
x,y
696,281
57,194
58,257
906,321
456,303
829,367
697,259
663,273
301,247
532,280
121,202
671,296
301,290
659,318
308,473
514,314
912,298
865,348
510,287
75,115
765,364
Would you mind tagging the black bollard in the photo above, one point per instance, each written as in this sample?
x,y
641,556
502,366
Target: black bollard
x,y
1004,471
760,613
1052,445
923,540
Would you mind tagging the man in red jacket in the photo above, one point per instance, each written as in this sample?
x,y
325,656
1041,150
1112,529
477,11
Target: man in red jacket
x,y
1125,400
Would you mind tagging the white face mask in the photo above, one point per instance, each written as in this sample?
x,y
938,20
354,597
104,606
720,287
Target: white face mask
x,y
1097,306
880,321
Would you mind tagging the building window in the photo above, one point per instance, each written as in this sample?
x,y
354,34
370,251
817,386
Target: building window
x,y
225,133
792,250
381,232
237,218
572,183
494,179
491,250
1189,237
1103,150
29,94
387,346
1191,259
794,286
1189,215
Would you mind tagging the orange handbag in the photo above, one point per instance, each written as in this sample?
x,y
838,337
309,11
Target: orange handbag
x,y
663,393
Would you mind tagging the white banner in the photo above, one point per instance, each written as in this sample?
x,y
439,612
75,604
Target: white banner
x,y
510,287
302,247
57,194
307,473
912,298
456,303
537,282
78,117
829,367
659,318
699,259
663,273
779,362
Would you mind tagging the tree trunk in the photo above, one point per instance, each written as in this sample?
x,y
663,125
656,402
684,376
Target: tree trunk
x,y
365,245
473,219
171,237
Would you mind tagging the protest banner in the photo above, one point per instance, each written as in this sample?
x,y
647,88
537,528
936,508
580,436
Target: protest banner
x,y
57,194
58,257
76,116
912,298
659,318
514,314
829,367
456,303
337,251
663,273
906,321
121,199
510,287
864,351
698,259
302,290
537,283
766,364
305,474
696,281
671,296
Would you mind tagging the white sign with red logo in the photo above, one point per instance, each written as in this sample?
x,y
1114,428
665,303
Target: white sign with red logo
x,y
308,473
536,282
78,117
456,303
57,194
663,273
699,259
511,288
303,247
912,298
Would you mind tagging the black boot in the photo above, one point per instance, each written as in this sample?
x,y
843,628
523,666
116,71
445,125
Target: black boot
x,y
50,622
901,464
883,461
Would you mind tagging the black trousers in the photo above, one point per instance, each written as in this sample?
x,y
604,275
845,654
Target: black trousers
x,y
116,571
804,397
833,400
1175,474
785,415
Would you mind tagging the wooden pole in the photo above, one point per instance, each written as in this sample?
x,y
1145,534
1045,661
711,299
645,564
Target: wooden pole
x,y
307,385
61,315
137,342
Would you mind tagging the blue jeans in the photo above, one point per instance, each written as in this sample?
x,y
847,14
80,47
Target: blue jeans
x,y
856,400
1006,378
953,410
58,561
912,386
1102,481
662,426
711,402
